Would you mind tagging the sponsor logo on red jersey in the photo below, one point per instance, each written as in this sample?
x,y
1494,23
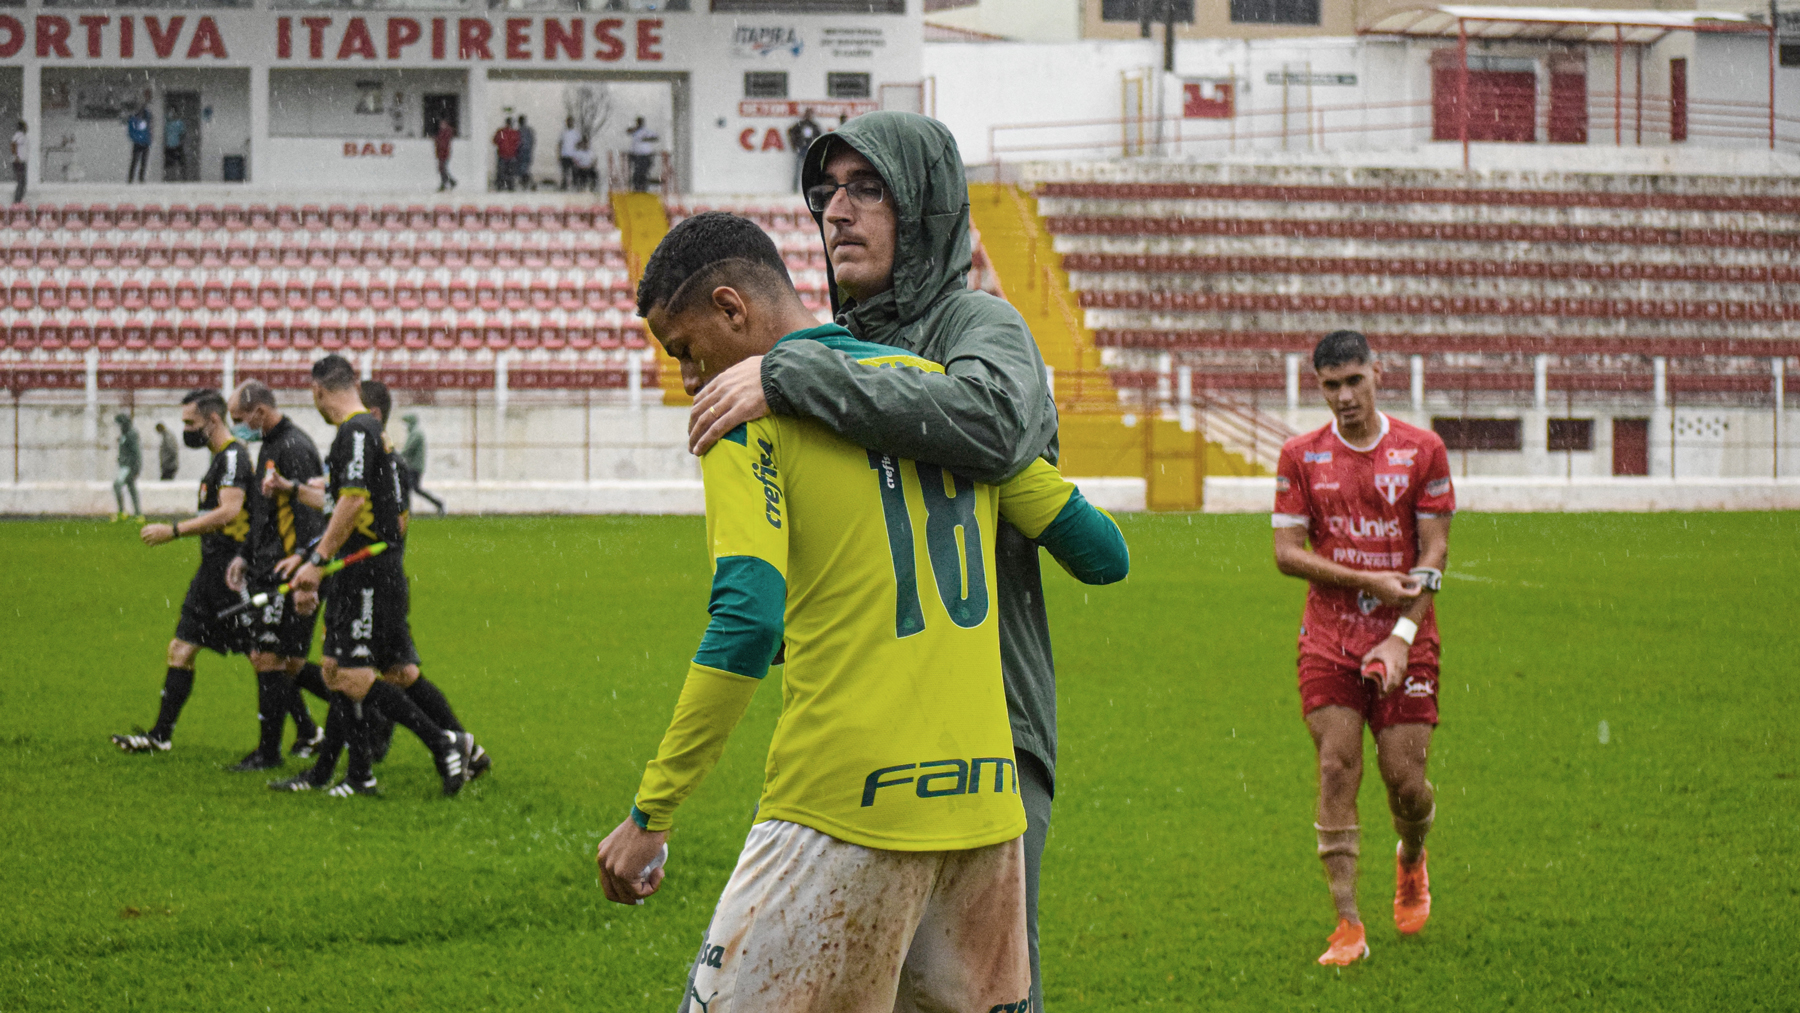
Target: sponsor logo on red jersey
x,y
1316,457
1363,527
1391,485
1401,457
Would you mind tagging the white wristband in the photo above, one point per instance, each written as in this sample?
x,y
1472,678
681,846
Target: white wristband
x,y
1406,630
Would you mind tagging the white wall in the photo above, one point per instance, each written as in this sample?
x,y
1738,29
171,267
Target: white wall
x,y
77,150
1020,20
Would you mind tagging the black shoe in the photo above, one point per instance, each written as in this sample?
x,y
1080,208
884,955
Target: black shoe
x,y
381,739
255,761
347,788
300,782
141,743
479,763
454,760
307,746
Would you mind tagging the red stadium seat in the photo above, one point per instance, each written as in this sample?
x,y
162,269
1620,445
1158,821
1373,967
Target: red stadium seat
x,y
406,296
287,219
387,336
487,296
233,218
498,218
22,298
179,216
79,335
74,217
268,295
218,337
106,297
440,336
418,217
302,336
243,297
515,298
414,336
352,297
522,336
494,336
262,219
580,338
50,337
568,297
245,337
295,296
76,298
276,338
330,336
381,298
161,336
607,338
324,296
468,336
340,217
357,337
312,218
153,216
153,254
552,338
22,337
433,297
366,219
469,218
443,217
542,296
187,297
132,297
49,297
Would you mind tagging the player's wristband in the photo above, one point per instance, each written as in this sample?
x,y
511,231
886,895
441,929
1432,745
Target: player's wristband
x,y
176,528
1430,578
1406,630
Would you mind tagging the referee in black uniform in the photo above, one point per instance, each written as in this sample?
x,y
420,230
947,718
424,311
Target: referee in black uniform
x,y
221,526
280,526
365,612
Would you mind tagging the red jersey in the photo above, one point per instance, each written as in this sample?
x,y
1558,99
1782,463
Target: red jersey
x,y
1360,510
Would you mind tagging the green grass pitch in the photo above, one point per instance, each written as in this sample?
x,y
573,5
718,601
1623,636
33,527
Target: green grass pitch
x,y
1655,871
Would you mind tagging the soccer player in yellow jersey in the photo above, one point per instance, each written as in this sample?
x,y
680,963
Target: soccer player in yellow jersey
x,y
884,870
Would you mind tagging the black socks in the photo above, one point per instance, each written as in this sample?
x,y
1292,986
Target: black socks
x,y
273,693
361,769
399,706
176,687
431,700
336,720
312,680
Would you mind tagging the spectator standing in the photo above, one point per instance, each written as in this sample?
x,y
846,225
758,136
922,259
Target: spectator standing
x,y
21,154
506,150
412,452
174,132
446,132
131,462
565,152
137,127
527,148
641,152
584,174
168,456
800,137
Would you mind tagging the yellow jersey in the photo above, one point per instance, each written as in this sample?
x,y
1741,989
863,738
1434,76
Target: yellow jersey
x,y
875,576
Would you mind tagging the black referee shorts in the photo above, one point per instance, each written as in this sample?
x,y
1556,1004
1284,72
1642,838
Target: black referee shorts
x,y
365,617
207,596
278,627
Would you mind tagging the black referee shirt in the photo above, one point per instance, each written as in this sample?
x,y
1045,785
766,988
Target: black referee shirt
x,y
230,468
361,462
281,524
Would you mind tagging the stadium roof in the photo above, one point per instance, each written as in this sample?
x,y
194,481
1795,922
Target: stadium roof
x,y
1557,24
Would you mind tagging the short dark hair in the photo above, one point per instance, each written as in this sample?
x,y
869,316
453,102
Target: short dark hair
x,y
334,373
252,393
703,252
206,402
376,398
1340,348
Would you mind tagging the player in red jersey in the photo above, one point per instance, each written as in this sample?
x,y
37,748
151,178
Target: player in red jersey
x,y
1372,495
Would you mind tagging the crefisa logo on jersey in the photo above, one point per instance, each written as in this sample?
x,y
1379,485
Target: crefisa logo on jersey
x,y
1401,457
1391,485
1319,457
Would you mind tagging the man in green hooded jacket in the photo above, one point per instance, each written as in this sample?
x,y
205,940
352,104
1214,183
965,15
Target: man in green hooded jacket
x,y
899,266
131,463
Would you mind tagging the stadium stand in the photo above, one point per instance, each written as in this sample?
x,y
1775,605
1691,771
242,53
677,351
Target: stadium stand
x,y
1228,270
162,296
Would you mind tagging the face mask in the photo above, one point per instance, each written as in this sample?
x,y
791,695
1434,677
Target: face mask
x,y
194,438
243,432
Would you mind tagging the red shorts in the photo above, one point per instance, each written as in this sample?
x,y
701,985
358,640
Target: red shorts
x,y
1331,683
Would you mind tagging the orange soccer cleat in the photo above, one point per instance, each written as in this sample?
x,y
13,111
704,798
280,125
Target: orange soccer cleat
x,y
1349,944
1412,894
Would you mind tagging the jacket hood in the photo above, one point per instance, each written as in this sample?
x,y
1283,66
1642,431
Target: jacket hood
x,y
918,159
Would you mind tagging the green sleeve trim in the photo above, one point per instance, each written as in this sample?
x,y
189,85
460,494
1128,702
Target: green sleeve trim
x,y
749,600
740,435
1087,542
640,817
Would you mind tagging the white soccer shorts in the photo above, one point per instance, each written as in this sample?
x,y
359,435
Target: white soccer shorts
x,y
810,923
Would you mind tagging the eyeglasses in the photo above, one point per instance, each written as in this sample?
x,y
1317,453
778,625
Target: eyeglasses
x,y
864,193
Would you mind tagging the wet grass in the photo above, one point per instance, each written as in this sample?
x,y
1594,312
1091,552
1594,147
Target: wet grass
x,y
1656,870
